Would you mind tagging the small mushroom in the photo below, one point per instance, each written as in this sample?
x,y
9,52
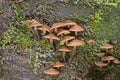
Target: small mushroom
x,y
27,22
116,61
101,54
33,24
100,64
64,49
108,58
44,28
75,43
76,29
91,41
66,39
51,37
51,71
106,46
62,31
69,23
58,64
55,26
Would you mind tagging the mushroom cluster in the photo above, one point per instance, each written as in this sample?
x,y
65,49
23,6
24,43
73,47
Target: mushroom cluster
x,y
52,70
63,38
105,58
61,33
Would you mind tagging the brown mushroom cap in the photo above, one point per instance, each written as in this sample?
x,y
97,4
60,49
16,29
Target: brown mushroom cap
x,y
44,27
76,42
69,23
66,38
108,58
35,23
116,61
51,36
64,48
27,22
91,41
100,64
51,71
107,46
100,54
76,28
62,31
56,25
58,64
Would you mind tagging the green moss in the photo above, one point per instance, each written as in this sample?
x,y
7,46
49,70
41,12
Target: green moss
x,y
14,36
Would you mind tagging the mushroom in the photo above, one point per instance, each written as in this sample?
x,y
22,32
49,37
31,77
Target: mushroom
x,y
51,71
75,43
69,23
91,41
108,58
100,64
62,31
51,37
55,26
58,64
64,49
76,29
44,28
33,24
116,61
101,54
27,22
66,39
106,46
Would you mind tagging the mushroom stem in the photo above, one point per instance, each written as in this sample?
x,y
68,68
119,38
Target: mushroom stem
x,y
76,33
107,51
68,26
44,32
66,42
108,62
36,33
61,36
55,30
64,56
32,31
74,51
73,54
101,68
51,42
